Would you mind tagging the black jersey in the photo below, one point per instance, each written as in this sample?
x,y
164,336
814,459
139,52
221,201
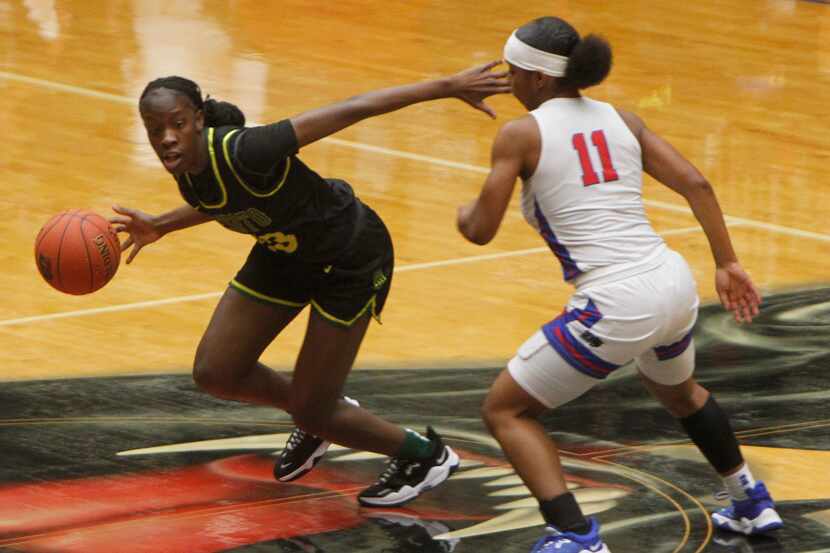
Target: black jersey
x,y
255,184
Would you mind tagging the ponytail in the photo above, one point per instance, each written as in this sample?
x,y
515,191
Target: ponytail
x,y
588,63
220,114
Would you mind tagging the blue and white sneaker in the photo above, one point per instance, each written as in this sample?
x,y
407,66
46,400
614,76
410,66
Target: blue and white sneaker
x,y
568,542
754,515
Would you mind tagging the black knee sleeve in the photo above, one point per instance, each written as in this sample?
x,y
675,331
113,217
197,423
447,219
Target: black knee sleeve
x,y
711,432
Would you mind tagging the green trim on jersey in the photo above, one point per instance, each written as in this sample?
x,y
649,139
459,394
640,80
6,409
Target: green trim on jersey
x,y
239,179
215,166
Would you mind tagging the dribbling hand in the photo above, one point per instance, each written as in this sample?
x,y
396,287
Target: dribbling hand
x,y
139,225
474,85
737,293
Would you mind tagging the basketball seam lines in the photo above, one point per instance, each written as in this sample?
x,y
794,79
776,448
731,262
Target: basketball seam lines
x,y
92,222
115,248
88,256
46,231
71,215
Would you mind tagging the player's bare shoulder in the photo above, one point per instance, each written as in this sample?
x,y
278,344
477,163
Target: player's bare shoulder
x,y
633,121
520,138
520,129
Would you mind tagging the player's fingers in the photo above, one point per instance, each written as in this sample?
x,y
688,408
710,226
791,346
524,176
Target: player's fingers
x,y
743,309
490,85
739,300
726,300
486,109
127,243
737,309
133,253
124,210
120,219
747,313
486,92
490,65
748,287
751,303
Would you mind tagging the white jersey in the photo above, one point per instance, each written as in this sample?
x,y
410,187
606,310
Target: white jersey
x,y
585,197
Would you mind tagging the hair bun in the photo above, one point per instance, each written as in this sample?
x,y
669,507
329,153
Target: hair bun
x,y
221,114
589,62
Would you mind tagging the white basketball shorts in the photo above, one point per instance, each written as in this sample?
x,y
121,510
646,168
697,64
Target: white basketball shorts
x,y
647,317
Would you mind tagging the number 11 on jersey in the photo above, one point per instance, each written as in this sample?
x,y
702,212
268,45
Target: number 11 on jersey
x,y
589,176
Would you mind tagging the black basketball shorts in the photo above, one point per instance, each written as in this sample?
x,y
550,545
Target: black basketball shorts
x,y
356,283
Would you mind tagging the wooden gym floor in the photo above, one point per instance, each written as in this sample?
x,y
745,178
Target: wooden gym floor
x,y
741,87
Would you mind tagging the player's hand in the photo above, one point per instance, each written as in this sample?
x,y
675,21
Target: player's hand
x,y
737,292
475,84
140,226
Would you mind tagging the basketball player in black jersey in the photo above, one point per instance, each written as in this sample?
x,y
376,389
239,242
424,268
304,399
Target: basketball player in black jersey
x,y
316,243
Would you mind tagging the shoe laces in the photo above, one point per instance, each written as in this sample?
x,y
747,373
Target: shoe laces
x,y
295,438
751,494
394,466
556,541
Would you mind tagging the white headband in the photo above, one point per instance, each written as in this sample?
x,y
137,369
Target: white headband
x,y
527,57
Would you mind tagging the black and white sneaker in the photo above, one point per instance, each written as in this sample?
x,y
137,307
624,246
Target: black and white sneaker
x,y
405,479
302,453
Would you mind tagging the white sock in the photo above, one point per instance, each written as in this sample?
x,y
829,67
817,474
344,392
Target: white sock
x,y
738,483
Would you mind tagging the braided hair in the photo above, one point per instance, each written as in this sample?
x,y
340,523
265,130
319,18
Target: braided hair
x,y
217,113
589,58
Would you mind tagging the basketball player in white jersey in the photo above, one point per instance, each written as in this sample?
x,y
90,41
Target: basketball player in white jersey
x,y
581,164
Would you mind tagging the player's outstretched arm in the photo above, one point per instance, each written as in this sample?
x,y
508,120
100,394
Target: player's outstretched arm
x,y
144,228
472,86
662,161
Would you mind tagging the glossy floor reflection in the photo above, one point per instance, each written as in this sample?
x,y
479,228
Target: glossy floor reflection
x,y
135,464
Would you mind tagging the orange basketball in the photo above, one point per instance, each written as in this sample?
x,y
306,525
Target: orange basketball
x,y
77,251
